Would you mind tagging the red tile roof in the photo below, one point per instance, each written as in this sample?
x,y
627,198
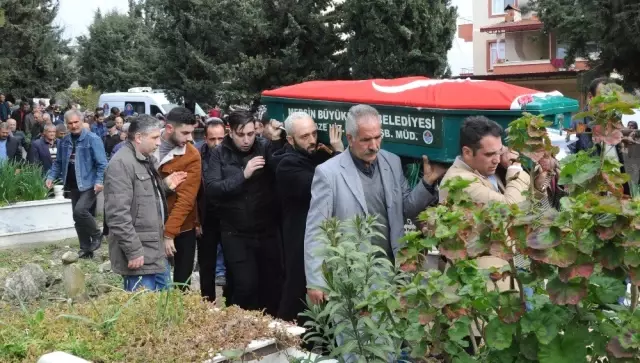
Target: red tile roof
x,y
513,26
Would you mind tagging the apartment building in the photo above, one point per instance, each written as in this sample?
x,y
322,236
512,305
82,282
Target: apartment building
x,y
510,46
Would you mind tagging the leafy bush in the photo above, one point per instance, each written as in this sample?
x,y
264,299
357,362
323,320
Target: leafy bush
x,y
21,182
562,309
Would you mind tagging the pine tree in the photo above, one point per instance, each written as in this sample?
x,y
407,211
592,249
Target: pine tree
x,y
395,38
118,52
36,59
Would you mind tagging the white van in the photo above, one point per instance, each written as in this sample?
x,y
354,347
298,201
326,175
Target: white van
x,y
141,100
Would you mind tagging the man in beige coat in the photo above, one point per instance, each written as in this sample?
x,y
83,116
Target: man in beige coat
x,y
481,154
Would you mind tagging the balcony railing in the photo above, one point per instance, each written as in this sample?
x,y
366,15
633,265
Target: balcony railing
x,y
535,66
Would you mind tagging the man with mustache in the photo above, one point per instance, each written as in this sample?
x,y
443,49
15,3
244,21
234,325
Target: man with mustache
x,y
364,180
297,162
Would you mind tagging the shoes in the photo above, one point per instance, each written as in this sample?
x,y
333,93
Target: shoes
x,y
86,255
221,281
96,242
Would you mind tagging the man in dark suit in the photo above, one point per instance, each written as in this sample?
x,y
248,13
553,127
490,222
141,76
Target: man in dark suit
x,y
9,146
43,150
20,115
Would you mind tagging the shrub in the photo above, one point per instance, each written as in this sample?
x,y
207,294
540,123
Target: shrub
x,y
21,182
562,309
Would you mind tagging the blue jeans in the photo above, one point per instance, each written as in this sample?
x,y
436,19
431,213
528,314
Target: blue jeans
x,y
220,267
152,282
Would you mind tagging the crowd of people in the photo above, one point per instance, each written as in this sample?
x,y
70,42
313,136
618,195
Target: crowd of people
x,y
245,206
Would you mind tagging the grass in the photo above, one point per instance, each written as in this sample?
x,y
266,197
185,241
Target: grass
x,y
167,326
21,182
114,326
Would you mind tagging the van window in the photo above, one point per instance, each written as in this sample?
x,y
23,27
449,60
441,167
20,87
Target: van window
x,y
138,107
155,110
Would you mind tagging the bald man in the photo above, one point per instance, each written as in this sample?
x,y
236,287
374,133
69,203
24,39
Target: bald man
x,y
297,162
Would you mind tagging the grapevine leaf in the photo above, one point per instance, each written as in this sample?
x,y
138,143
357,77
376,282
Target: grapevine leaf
x,y
561,256
499,335
543,238
607,289
511,307
610,256
566,293
571,272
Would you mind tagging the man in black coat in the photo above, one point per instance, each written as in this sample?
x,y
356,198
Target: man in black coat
x,y
240,182
296,166
10,148
209,238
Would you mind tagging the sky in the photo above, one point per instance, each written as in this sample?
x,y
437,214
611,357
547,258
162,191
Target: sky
x,y
76,16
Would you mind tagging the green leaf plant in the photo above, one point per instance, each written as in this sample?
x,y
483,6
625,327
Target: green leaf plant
x,y
564,307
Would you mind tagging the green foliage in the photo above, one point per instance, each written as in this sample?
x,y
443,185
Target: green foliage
x,y
20,182
609,28
230,51
36,60
563,307
86,97
117,54
361,292
398,38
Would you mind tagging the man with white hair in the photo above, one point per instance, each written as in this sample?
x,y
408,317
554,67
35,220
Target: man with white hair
x,y
79,166
297,162
364,180
44,149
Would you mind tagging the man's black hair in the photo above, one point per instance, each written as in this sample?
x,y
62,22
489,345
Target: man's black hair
x,y
24,103
593,86
114,110
239,119
111,117
98,109
181,116
213,123
474,128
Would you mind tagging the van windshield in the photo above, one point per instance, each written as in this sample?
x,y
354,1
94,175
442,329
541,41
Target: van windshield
x,y
168,107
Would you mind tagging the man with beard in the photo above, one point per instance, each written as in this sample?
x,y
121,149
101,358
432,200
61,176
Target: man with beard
x,y
208,243
294,174
176,153
240,183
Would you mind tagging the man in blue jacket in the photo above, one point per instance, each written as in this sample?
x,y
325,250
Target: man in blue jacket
x,y
80,165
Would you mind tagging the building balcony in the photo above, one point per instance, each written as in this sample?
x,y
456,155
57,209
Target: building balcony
x,y
536,66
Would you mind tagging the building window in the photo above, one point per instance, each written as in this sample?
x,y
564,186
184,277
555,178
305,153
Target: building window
x,y
497,6
496,53
561,50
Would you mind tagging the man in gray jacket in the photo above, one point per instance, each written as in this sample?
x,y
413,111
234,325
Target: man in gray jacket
x,y
364,180
136,209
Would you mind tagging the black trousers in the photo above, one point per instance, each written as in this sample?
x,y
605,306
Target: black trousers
x,y
294,288
254,266
83,205
207,257
183,259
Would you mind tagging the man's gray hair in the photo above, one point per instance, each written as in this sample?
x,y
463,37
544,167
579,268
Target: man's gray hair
x,y
142,124
50,127
125,127
61,127
357,113
4,126
288,123
71,113
46,115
